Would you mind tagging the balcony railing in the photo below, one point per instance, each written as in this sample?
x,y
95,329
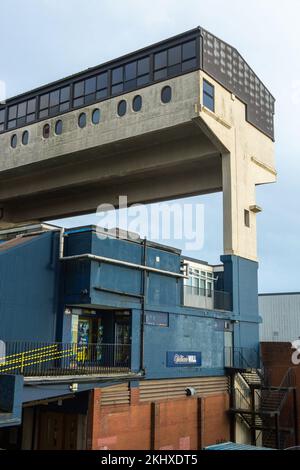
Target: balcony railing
x,y
206,298
241,358
32,359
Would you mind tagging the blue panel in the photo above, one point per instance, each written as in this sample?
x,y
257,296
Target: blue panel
x,y
30,289
183,358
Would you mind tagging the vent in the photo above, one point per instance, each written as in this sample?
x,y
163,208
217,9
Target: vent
x,y
151,390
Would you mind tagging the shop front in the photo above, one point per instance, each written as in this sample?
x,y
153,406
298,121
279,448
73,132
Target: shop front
x,y
102,336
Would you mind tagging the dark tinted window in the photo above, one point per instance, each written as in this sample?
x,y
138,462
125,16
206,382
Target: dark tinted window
x,y
21,114
58,127
14,141
174,55
247,218
166,94
2,119
137,103
82,120
46,131
175,60
188,50
208,95
55,102
158,65
96,116
122,108
25,138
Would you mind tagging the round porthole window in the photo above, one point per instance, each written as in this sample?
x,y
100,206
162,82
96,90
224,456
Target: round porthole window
x,y
82,120
96,116
46,131
14,141
166,94
137,103
58,127
25,137
122,108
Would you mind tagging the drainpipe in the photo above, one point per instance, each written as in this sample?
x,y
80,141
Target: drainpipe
x,y
61,243
144,296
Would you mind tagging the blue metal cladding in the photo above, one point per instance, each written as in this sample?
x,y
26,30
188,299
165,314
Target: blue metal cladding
x,y
29,290
186,333
240,278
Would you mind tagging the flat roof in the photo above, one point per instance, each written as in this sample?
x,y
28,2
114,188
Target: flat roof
x,y
270,294
235,446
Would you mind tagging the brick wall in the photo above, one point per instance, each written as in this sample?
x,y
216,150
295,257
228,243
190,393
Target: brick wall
x,y
277,358
183,423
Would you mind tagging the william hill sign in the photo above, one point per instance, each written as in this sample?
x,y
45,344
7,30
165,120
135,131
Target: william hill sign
x,y
183,359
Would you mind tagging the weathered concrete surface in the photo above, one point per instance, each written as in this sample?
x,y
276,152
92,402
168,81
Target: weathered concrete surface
x,y
165,151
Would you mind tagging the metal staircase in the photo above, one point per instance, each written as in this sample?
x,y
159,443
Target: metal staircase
x,y
260,405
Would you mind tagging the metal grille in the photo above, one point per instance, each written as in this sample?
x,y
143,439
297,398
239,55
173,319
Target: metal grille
x,y
227,66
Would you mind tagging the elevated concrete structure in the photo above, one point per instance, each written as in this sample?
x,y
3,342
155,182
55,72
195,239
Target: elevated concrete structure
x,y
165,151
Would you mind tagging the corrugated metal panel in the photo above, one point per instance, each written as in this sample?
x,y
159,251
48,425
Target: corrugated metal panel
x,y
235,446
7,245
116,395
281,317
151,390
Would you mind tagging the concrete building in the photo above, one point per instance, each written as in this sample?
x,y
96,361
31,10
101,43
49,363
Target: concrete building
x,y
113,331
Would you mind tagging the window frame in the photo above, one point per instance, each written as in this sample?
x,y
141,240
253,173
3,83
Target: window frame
x,y
206,94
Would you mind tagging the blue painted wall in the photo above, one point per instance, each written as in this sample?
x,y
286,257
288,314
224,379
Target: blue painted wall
x,y
29,300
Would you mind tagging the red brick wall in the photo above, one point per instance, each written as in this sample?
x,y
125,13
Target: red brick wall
x,y
185,423
215,421
277,358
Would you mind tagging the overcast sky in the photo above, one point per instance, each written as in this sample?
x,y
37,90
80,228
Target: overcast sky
x,y
44,40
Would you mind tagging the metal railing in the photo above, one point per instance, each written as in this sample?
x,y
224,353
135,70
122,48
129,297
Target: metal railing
x,y
241,358
34,359
209,299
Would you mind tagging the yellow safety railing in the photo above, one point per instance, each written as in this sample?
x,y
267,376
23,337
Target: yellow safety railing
x,y
19,361
32,359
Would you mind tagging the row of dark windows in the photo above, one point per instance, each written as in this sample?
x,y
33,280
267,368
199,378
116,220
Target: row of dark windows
x,y
128,77
137,102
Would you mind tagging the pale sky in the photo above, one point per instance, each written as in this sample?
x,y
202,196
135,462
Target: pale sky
x,y
44,40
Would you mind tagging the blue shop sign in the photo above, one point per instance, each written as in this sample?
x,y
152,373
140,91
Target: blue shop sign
x,y
183,359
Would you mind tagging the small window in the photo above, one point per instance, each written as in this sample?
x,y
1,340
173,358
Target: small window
x,y
46,131
122,108
166,94
137,103
58,127
96,116
25,138
14,141
208,95
82,120
247,218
